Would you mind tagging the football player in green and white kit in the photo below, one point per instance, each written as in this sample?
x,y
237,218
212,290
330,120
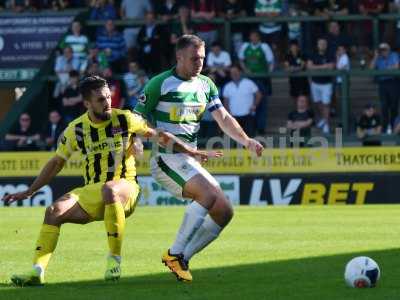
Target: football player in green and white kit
x,y
176,100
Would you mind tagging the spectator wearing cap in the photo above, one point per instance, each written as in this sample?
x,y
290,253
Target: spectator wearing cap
x,y
385,59
369,126
241,98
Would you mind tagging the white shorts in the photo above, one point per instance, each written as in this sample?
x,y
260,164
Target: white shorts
x,y
321,92
172,171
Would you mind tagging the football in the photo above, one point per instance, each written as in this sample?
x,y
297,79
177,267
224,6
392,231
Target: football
x,y
362,272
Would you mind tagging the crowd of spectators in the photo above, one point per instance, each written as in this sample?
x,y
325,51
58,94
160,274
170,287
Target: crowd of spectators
x,y
127,56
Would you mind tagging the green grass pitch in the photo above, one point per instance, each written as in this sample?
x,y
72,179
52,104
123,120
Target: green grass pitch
x,y
266,253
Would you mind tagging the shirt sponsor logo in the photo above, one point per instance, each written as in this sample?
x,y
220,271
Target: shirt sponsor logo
x,y
186,113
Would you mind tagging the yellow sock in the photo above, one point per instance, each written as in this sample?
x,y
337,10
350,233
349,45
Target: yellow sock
x,y
114,219
45,245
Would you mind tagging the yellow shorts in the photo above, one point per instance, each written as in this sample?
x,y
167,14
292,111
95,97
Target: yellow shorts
x,y
90,199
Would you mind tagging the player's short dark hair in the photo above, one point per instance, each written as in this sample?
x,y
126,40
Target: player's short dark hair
x,y
188,40
89,84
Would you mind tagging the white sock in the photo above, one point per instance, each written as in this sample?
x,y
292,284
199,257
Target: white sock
x,y
207,232
193,218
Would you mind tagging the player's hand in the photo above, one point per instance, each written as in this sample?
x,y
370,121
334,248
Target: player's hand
x,y
137,147
10,198
254,146
203,156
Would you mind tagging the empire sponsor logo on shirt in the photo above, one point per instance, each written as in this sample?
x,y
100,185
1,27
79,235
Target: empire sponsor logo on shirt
x,y
110,145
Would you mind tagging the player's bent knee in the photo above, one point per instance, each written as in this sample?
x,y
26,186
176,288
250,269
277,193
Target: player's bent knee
x,y
110,192
222,211
53,215
227,209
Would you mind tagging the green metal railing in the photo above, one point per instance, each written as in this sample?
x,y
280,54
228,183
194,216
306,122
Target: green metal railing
x,y
227,23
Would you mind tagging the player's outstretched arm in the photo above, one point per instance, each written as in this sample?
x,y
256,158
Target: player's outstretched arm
x,y
231,127
49,171
168,140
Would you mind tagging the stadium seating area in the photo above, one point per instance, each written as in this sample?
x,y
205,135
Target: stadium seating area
x,y
344,39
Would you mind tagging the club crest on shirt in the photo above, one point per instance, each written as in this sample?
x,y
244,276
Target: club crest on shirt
x,y
142,98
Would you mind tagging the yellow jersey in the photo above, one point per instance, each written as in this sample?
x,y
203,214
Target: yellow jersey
x,y
104,146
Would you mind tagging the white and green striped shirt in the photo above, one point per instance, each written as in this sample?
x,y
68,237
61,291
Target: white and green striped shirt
x,y
177,105
269,6
79,45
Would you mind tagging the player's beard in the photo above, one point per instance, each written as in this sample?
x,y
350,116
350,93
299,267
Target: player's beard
x,y
104,116
196,72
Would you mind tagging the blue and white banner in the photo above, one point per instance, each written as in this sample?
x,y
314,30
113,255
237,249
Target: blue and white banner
x,y
27,40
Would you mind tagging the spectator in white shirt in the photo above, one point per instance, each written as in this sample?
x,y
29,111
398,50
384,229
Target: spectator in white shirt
x,y
342,61
218,63
342,64
63,65
241,98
